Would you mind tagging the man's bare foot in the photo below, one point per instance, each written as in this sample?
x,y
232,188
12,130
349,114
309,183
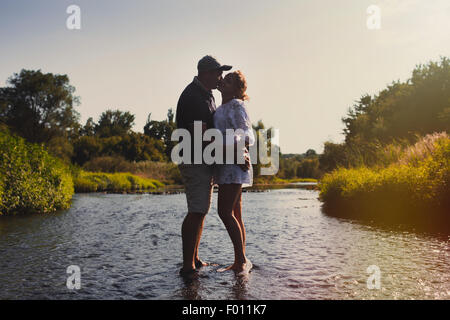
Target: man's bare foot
x,y
188,272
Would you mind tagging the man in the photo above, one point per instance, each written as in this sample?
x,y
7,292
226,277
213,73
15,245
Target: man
x,y
197,103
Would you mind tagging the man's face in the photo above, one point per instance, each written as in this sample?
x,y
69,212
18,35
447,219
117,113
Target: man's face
x,y
212,78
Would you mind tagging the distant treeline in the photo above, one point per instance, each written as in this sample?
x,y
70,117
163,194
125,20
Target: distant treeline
x,y
40,107
367,170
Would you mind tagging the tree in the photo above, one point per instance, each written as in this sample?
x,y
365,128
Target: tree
x,y
162,131
308,168
114,123
86,148
333,156
89,127
60,147
139,147
311,153
419,106
39,106
398,114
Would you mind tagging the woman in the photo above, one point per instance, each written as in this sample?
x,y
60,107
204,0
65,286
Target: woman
x,y
232,114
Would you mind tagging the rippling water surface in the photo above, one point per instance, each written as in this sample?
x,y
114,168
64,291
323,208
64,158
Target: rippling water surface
x,y
129,247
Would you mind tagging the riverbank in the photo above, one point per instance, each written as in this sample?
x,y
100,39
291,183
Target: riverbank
x,y
115,182
177,189
33,181
86,182
274,180
414,190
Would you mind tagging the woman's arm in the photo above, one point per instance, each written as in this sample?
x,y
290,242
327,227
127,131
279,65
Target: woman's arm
x,y
241,120
242,136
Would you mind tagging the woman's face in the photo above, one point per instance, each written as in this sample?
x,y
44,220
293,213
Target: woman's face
x,y
226,85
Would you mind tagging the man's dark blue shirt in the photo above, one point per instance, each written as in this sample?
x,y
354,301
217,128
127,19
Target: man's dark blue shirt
x,y
196,103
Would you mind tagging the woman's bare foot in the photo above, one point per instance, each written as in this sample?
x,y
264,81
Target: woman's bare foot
x,y
226,269
239,268
199,263
245,268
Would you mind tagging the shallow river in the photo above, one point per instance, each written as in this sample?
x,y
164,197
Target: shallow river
x,y
129,247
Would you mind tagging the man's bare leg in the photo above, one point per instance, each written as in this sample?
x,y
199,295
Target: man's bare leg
x,y
190,235
197,261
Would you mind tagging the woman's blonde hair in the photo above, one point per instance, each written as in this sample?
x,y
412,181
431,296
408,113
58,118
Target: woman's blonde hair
x,y
241,84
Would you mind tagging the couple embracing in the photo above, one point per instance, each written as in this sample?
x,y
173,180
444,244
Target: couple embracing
x,y
197,103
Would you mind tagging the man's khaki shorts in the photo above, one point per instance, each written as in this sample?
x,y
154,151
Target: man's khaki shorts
x,y
198,183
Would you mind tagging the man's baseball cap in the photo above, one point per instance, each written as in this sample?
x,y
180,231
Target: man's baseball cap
x,y
208,63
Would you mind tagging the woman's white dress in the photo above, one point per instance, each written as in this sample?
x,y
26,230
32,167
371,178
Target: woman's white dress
x,y
233,115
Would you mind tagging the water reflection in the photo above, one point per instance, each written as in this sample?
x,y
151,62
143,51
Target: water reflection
x,y
191,287
239,289
129,247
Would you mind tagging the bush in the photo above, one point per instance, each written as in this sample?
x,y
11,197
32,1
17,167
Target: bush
x,y
1,192
108,164
83,184
418,183
75,170
308,168
163,171
31,179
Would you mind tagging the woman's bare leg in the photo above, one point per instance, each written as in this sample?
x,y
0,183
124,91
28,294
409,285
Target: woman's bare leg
x,y
237,212
227,197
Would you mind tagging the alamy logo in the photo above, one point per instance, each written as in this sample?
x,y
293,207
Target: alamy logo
x,y
374,280
74,280
374,19
73,22
213,153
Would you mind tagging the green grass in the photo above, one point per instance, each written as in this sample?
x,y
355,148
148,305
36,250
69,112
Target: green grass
x,y
301,180
31,180
165,172
416,188
261,180
114,182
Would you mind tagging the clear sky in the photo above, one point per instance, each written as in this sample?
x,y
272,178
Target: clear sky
x,y
306,61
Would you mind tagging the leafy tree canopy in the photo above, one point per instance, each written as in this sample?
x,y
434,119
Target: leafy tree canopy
x,y
39,106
